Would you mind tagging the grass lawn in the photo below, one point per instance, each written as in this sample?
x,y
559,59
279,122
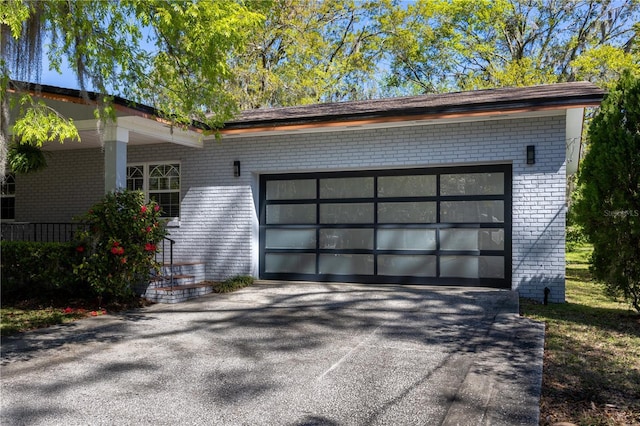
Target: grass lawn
x,y
592,353
28,315
16,317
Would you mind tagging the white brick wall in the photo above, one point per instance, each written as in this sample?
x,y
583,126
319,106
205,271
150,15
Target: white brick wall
x,y
219,213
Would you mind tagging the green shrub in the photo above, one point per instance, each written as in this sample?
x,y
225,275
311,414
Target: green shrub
x,y
119,243
234,283
41,271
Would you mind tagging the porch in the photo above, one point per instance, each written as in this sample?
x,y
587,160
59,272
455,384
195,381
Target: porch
x,y
176,282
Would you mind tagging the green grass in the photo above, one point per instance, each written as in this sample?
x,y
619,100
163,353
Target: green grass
x,y
233,284
592,353
16,319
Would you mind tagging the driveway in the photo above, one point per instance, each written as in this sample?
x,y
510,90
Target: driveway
x,y
285,354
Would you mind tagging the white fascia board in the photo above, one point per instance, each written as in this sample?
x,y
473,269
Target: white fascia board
x,y
575,119
161,131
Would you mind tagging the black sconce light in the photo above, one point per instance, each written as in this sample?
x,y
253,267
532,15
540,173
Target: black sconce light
x,y
236,168
531,154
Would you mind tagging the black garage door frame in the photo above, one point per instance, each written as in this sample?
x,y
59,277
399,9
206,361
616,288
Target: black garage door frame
x,y
504,281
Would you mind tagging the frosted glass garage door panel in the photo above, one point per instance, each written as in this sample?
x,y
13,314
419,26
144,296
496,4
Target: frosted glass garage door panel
x,y
346,264
407,186
491,239
357,187
342,239
472,184
406,239
481,211
407,265
472,239
291,214
301,263
407,212
459,266
346,213
459,239
290,238
291,189
491,266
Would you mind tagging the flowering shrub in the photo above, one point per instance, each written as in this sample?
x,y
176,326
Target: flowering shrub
x,y
119,243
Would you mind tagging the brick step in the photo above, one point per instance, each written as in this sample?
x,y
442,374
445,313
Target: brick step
x,y
196,269
177,294
161,281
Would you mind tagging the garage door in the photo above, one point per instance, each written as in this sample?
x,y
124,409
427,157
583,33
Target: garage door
x,y
444,226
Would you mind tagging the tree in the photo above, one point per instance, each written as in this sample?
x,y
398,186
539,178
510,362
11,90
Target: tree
x,y
168,54
440,45
609,203
307,52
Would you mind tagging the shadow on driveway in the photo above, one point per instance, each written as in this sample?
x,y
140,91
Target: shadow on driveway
x,y
295,353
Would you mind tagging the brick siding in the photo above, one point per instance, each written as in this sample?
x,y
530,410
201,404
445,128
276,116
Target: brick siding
x,y
219,223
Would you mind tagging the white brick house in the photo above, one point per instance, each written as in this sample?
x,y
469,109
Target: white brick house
x,y
434,189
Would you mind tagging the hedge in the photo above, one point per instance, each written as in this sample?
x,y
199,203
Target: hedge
x,y
34,270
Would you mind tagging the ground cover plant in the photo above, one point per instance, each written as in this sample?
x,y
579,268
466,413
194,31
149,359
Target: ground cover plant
x,y
592,352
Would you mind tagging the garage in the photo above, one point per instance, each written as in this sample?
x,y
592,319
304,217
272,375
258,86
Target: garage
x,y
436,226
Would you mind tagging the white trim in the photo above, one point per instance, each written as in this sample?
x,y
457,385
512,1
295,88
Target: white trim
x,y
173,220
163,132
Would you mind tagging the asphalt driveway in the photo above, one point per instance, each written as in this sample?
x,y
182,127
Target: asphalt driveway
x,y
285,354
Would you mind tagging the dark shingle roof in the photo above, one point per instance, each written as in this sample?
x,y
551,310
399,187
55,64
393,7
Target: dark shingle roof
x,y
552,95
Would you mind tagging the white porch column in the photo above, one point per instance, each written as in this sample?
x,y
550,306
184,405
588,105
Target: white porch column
x,y
115,157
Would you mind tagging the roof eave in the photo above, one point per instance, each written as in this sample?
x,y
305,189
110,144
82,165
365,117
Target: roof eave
x,y
409,114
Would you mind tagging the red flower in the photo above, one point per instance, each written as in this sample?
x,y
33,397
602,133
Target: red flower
x,y
94,314
143,209
156,208
123,260
116,244
79,249
150,247
68,310
148,229
117,250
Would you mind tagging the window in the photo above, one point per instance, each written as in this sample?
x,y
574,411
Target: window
x,y
8,199
159,182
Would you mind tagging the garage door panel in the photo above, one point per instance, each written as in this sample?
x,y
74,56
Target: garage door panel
x,y
295,263
471,239
448,226
406,239
346,239
346,213
346,264
290,238
291,214
407,265
480,211
298,189
355,187
407,212
472,184
407,186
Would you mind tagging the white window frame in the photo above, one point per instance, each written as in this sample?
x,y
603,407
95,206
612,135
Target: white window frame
x,y
11,195
146,170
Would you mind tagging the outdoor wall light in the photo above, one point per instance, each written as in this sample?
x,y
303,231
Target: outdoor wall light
x,y
531,154
236,168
